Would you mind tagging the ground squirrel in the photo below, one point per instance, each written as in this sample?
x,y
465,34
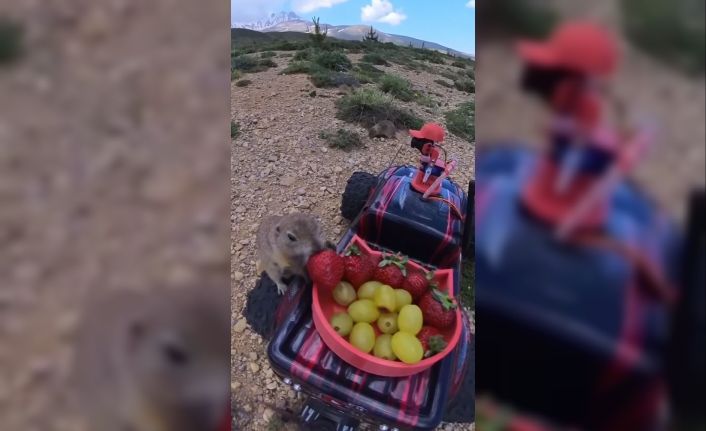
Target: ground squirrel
x,y
156,361
383,129
284,245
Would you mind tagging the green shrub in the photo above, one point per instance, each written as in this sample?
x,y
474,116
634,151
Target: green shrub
x,y
321,78
11,35
369,106
267,54
443,83
324,78
235,74
243,83
245,63
304,54
431,56
374,58
341,139
297,67
249,64
461,121
448,74
401,56
397,86
367,73
286,55
466,85
267,63
672,31
530,18
276,423
333,60
468,281
284,45
459,64
425,100
318,37
234,129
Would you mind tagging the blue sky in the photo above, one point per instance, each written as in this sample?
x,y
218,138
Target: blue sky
x,y
450,23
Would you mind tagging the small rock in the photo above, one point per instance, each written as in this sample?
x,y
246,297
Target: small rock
x,y
287,181
272,386
267,414
301,191
247,408
338,169
235,385
252,356
240,326
238,276
254,367
324,150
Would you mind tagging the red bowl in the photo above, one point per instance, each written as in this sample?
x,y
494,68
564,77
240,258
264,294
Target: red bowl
x,y
324,307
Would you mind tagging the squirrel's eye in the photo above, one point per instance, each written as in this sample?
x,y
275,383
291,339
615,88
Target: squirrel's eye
x,y
291,237
175,355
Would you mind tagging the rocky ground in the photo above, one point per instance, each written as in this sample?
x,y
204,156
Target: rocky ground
x,y
113,174
280,165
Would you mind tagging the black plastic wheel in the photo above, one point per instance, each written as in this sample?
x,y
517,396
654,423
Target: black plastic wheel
x,y
468,245
356,194
685,357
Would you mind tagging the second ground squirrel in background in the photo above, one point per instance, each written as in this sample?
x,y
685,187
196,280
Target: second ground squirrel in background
x,y
383,129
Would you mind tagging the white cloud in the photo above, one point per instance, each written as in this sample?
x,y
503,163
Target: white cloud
x,y
471,4
382,11
305,6
248,10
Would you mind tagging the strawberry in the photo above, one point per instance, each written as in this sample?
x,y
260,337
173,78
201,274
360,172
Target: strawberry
x,y
432,340
438,309
326,269
358,268
416,284
391,270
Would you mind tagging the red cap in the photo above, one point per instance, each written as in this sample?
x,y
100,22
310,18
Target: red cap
x,y
577,45
432,131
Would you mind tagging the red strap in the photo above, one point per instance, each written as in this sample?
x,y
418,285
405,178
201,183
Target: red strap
x,y
454,208
648,274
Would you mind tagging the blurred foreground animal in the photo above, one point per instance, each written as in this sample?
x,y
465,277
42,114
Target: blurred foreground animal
x,y
155,361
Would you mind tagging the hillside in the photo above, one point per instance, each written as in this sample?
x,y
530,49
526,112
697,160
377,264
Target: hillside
x,y
287,22
242,37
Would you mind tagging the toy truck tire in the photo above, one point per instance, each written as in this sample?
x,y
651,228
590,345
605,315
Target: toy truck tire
x,y
357,191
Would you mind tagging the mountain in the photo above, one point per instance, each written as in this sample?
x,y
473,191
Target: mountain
x,y
271,21
291,22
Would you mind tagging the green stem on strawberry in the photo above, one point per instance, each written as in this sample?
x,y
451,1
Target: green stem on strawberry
x,y
352,250
443,298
